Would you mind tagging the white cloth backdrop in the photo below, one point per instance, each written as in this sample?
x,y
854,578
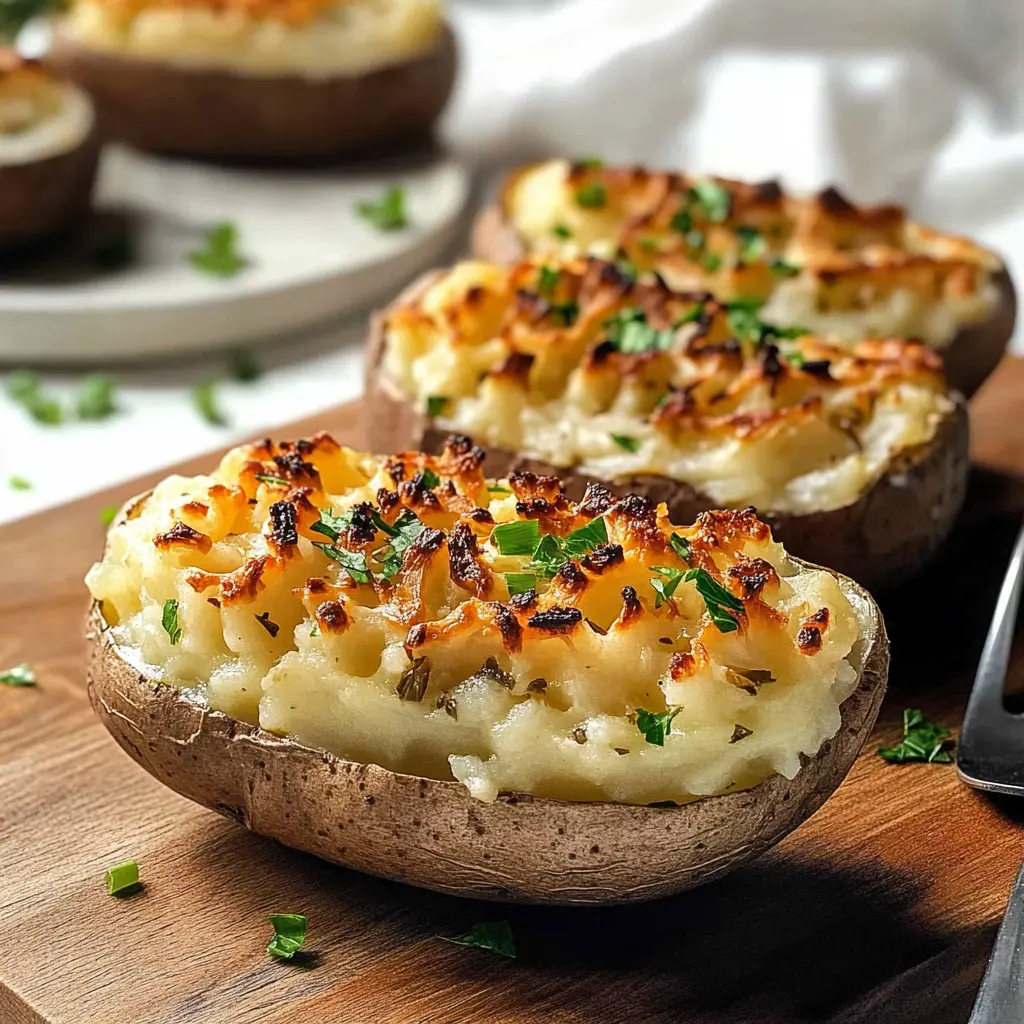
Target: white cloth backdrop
x,y
920,101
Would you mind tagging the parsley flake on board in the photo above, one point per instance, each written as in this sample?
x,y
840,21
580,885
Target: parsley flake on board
x,y
204,398
123,879
922,741
18,675
289,935
95,398
169,620
592,196
655,725
493,936
719,602
219,256
387,211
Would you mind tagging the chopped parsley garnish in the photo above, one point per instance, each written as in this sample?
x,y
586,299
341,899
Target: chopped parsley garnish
x,y
519,537
353,562
922,741
682,221
219,256
494,936
108,514
24,387
204,398
387,211
752,244
19,675
331,525
561,231
553,551
430,479
169,620
655,725
624,441
590,163
712,198
745,323
681,546
718,601
95,400
665,583
711,262
244,367
782,268
630,332
123,879
592,196
627,268
289,935
406,529
520,582
547,281
436,405
19,483
565,313
795,358
690,316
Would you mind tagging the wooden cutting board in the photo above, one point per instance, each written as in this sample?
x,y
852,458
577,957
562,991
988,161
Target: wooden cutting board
x,y
882,908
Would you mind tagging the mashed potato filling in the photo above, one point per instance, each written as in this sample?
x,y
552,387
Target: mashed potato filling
x,y
273,37
407,612
542,359
40,117
818,262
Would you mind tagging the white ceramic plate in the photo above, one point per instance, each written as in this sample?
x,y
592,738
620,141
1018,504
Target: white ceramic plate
x,y
311,257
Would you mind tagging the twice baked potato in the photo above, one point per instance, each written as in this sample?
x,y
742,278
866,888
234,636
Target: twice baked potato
x,y
856,454
477,686
818,262
274,80
49,149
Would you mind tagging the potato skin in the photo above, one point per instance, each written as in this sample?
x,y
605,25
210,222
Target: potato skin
x,y
221,114
43,199
880,540
969,358
433,834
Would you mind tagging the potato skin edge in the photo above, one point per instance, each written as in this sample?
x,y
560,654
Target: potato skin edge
x,y
433,834
158,106
969,358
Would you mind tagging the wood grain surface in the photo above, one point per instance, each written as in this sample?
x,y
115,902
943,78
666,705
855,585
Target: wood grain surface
x,y
881,909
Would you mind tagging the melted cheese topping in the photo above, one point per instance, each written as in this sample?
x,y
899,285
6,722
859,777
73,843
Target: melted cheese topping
x,y
437,671
791,424
40,117
859,271
263,37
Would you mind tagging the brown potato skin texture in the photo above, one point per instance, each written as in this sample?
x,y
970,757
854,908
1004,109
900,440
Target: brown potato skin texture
x,y
220,114
969,358
880,540
43,199
433,834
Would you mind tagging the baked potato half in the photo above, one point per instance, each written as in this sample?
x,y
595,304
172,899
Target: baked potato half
x,y
278,80
478,686
818,262
856,455
49,149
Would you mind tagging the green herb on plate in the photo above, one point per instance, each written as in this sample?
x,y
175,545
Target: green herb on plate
x,y
123,879
25,388
922,741
204,398
19,483
95,398
219,256
387,211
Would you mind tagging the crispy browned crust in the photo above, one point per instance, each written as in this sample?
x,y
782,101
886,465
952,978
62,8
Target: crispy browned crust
x,y
880,540
44,199
159,106
434,834
969,359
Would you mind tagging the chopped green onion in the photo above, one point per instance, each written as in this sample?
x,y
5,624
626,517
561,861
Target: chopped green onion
x,y
204,398
711,262
289,935
630,444
19,675
713,198
592,196
219,256
519,537
108,514
169,620
95,399
648,243
24,387
123,879
922,741
387,211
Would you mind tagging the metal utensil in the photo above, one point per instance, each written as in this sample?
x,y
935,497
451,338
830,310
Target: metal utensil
x,y
991,757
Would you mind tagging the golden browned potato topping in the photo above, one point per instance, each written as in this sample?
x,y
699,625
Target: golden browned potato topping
x,y
407,611
575,362
818,261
